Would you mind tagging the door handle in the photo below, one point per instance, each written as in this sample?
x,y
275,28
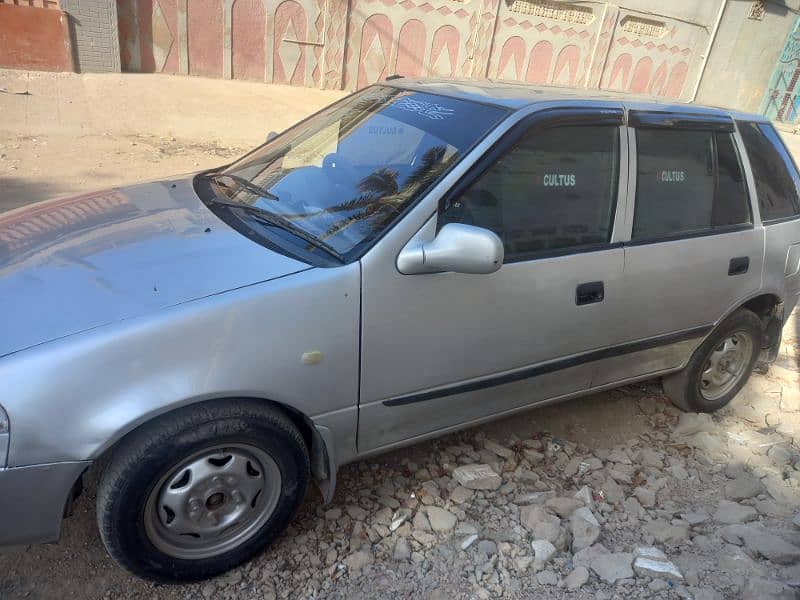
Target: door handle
x,y
739,265
589,293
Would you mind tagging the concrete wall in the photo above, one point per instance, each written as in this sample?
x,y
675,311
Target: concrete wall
x,y
744,54
640,46
95,34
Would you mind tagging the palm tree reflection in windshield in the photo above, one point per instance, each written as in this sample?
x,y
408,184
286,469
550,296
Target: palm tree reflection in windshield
x,y
381,197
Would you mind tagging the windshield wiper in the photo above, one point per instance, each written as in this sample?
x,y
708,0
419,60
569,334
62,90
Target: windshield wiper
x,y
275,220
243,183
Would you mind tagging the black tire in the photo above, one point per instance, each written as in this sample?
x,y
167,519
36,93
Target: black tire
x,y
149,453
684,387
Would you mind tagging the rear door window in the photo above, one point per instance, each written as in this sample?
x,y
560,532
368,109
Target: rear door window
x,y
773,171
688,181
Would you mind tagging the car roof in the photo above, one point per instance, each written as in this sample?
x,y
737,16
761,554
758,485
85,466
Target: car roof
x,y
515,96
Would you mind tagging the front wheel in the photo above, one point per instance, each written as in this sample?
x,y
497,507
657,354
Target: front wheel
x,y
201,489
720,367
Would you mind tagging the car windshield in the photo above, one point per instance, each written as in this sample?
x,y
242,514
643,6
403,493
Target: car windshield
x,y
338,179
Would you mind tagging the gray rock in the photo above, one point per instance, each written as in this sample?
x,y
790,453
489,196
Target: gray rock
x,y
547,578
543,551
572,466
402,550
534,498
423,537
585,557
398,518
796,520
771,508
633,508
709,446
613,491
421,522
645,496
762,543
652,562
333,514
461,494
666,533
780,455
691,423
477,477
705,594
501,451
532,515
358,560
440,519
584,528
577,579
656,585
551,531
736,562
757,588
563,506
732,512
487,547
469,540
356,512
533,456
696,517
743,487
648,457
585,496
613,566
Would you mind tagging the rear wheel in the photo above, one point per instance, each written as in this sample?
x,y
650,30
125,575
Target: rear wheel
x,y
720,367
201,490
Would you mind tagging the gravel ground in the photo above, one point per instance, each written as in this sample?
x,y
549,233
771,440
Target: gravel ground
x,y
617,495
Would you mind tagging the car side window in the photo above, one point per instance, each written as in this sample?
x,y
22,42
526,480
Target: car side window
x,y
773,171
687,182
554,190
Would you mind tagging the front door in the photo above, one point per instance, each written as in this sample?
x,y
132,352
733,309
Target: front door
x,y
441,350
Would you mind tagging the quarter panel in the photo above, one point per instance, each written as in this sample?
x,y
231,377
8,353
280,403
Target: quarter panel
x,y
70,399
782,258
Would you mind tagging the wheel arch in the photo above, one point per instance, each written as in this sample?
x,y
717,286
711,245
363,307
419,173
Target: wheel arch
x,y
767,305
318,439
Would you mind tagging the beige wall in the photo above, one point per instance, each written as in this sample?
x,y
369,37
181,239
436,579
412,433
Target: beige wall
x,y
744,53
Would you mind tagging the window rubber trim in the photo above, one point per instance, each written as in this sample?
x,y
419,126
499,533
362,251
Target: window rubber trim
x,y
550,367
780,220
690,235
651,119
551,117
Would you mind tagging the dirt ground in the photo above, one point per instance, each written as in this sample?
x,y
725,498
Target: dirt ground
x,y
41,164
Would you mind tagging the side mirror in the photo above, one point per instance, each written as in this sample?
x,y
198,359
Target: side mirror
x,y
271,136
458,248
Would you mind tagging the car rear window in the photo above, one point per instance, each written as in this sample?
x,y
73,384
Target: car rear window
x,y
687,182
774,172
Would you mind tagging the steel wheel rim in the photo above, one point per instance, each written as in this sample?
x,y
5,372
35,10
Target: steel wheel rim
x,y
212,502
725,366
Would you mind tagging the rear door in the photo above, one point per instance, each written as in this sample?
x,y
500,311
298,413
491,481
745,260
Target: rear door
x,y
694,251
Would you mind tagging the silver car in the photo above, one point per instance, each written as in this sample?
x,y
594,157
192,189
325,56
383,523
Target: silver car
x,y
416,258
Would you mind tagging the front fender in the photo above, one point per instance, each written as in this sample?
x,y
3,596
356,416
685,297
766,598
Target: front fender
x,y
71,399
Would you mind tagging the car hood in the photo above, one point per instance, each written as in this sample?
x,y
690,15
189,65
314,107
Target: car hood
x,y
72,264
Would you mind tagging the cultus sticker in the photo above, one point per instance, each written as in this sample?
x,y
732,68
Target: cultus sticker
x,y
671,176
558,180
